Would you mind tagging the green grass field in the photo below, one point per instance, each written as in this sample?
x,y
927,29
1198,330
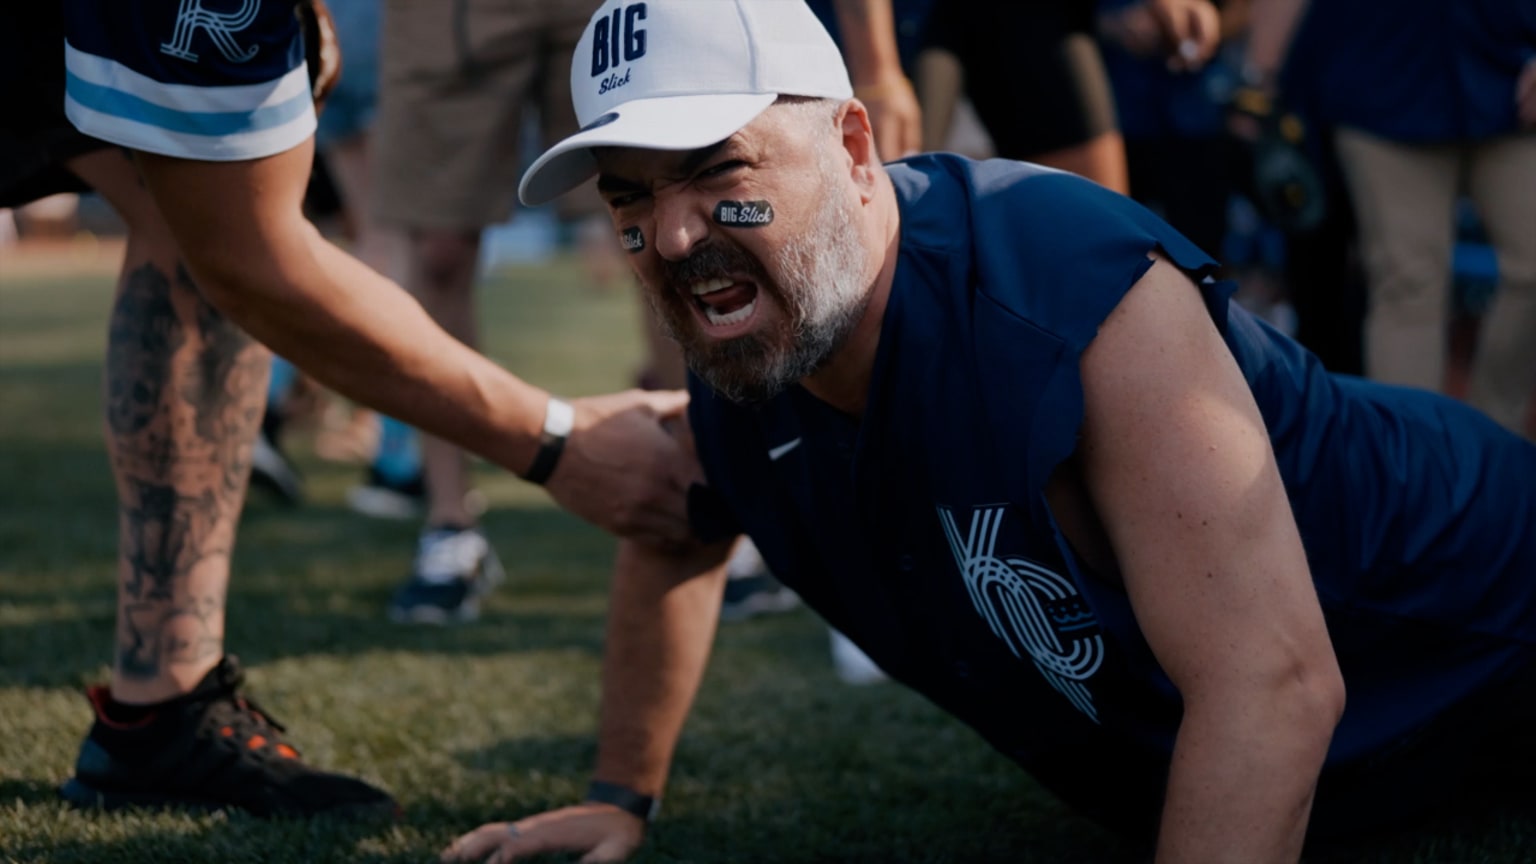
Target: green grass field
x,y
780,761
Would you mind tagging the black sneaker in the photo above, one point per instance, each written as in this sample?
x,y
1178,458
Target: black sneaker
x,y
383,499
212,749
454,568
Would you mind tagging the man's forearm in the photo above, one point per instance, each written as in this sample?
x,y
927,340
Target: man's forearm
x,y
393,357
1241,783
661,623
350,328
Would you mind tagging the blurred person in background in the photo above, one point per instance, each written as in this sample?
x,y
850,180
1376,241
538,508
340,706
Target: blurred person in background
x,y
1035,75
344,144
1181,160
1319,257
1430,100
197,127
456,82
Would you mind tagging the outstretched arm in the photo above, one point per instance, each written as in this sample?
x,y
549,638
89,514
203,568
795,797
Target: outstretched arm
x,y
241,230
1178,463
874,63
661,624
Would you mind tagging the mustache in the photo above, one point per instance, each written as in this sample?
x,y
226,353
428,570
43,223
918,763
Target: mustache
x,y
708,262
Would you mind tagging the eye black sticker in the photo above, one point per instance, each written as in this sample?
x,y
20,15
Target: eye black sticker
x,y
744,214
632,240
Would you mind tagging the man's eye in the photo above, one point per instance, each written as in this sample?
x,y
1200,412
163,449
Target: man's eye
x,y
618,202
723,168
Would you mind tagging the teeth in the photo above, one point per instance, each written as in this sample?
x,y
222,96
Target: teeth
x,y
710,286
738,316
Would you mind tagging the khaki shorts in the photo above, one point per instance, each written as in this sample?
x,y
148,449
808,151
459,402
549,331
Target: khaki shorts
x,y
454,78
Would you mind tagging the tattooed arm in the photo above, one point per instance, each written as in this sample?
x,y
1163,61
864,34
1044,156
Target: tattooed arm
x,y
256,258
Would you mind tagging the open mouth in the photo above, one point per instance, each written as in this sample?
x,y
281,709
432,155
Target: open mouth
x,y
724,303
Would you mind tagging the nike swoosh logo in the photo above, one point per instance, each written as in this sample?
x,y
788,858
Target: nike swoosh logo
x,y
778,452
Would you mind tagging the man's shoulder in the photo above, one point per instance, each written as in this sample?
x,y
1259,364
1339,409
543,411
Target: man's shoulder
x,y
1028,212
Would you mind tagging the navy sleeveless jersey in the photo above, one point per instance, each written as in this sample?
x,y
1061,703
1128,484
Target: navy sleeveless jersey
x,y
215,80
923,531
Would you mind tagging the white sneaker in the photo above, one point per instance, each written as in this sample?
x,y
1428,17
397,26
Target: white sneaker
x,y
851,663
271,470
750,590
454,568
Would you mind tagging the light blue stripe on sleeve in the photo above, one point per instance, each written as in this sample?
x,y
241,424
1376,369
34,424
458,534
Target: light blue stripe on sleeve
x,y
211,123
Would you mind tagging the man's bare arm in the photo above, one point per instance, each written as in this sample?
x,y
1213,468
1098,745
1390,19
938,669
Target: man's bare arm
x,y
240,228
661,624
1271,28
1179,466
874,63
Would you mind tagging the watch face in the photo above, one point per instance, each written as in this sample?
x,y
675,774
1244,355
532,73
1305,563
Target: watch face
x,y
559,418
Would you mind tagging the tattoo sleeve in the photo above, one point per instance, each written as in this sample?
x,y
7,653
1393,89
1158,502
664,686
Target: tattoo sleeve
x,y
184,390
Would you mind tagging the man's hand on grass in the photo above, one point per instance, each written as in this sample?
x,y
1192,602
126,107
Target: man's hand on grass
x,y
600,833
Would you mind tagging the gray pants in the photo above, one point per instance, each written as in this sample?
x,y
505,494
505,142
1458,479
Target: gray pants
x,y
1405,196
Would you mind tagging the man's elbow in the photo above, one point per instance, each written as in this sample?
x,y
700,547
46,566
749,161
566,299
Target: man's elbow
x,y
241,279
1313,698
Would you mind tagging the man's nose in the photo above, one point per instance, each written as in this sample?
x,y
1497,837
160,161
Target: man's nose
x,y
680,226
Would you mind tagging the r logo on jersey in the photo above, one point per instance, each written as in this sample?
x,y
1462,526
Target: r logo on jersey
x,y
221,27
1037,613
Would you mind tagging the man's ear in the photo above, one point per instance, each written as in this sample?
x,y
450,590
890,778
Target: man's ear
x,y
859,142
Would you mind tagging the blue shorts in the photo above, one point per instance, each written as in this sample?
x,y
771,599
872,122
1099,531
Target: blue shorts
x,y
214,80
350,107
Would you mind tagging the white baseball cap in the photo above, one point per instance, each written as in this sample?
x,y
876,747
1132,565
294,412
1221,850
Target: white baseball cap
x,y
683,74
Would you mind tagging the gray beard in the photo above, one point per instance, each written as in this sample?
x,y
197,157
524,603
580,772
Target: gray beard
x,y
822,287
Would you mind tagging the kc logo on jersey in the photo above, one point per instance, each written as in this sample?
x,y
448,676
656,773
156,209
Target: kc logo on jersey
x,y
616,39
221,26
1037,613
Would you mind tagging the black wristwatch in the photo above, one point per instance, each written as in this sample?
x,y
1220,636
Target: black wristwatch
x,y
559,419
624,798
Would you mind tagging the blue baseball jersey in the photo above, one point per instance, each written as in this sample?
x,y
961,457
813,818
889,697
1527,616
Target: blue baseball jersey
x,y
216,80
923,531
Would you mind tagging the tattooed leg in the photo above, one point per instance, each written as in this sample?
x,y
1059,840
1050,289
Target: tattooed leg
x,y
184,394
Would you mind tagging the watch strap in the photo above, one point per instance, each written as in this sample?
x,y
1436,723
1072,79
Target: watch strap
x,y
624,798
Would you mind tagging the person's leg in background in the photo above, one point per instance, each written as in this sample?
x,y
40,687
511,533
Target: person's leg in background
x,y
452,88
1323,273
342,148
1037,81
394,487
441,269
1404,200
270,466
1502,184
